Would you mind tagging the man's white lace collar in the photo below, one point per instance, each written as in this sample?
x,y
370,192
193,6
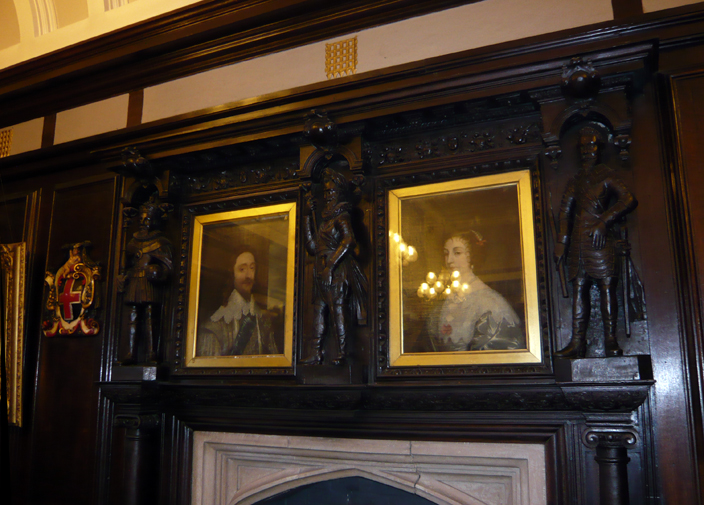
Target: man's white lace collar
x,y
236,307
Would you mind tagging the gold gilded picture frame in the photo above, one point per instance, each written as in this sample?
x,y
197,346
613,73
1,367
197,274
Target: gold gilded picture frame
x,y
241,288
13,261
463,281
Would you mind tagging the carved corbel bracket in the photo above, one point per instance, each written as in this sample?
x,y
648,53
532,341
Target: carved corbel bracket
x,y
623,142
553,153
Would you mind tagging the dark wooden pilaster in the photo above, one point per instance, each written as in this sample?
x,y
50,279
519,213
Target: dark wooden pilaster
x,y
612,456
141,443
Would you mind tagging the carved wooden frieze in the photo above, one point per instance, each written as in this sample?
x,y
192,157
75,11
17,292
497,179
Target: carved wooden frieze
x,y
228,178
499,108
456,141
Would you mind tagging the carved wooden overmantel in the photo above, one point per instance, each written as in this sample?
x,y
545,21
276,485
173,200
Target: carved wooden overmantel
x,y
616,430
591,414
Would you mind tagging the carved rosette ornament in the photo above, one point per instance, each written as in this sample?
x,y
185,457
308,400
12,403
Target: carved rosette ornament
x,y
71,296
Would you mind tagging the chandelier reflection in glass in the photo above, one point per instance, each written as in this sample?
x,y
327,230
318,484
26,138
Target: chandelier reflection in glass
x,y
442,286
408,253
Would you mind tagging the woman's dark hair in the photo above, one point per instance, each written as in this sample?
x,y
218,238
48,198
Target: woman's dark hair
x,y
474,242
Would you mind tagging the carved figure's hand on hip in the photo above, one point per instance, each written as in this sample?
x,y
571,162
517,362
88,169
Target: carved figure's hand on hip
x,y
598,234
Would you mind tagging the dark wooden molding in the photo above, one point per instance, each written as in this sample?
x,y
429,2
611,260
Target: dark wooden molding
x,y
48,131
189,40
439,81
626,8
683,194
210,34
444,80
135,107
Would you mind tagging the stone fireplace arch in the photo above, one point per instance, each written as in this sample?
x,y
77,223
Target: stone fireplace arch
x,y
243,469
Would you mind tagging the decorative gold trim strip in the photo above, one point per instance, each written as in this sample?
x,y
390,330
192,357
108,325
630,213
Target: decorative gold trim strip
x,y
341,58
13,261
5,142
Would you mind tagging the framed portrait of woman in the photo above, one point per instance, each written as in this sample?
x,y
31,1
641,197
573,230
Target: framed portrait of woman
x,y
241,284
463,286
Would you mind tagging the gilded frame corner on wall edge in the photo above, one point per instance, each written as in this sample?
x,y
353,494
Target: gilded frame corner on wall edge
x,y
14,268
284,360
532,354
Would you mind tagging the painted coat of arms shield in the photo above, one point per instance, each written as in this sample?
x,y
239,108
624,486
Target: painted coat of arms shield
x,y
72,295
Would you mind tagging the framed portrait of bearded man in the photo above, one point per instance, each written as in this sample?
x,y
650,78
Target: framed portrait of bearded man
x,y
241,284
463,281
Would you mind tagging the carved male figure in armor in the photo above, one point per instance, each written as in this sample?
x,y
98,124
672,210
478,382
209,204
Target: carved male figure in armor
x,y
340,284
594,200
150,256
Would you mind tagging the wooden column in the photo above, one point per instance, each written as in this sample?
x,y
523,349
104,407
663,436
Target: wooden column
x,y
611,454
140,476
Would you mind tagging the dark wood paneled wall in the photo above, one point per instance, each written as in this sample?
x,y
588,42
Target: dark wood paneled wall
x,y
67,193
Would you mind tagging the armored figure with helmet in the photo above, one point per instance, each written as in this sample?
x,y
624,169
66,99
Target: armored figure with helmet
x,y
593,201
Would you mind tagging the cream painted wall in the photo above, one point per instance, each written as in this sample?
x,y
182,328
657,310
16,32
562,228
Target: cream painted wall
x,y
27,136
93,119
416,39
274,72
77,24
658,5
476,25
70,11
10,33
452,30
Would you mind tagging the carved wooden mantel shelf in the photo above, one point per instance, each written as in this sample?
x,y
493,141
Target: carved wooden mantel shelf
x,y
576,397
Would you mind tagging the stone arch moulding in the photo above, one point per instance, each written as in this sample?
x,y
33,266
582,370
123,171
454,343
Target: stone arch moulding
x,y
304,478
241,469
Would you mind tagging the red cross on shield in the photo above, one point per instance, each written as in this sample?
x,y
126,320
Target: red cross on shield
x,y
68,297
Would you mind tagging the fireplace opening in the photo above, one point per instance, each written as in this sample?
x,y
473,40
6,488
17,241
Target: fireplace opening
x,y
248,469
348,491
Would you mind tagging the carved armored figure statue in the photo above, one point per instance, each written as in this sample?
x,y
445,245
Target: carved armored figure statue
x,y
150,253
594,200
340,284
